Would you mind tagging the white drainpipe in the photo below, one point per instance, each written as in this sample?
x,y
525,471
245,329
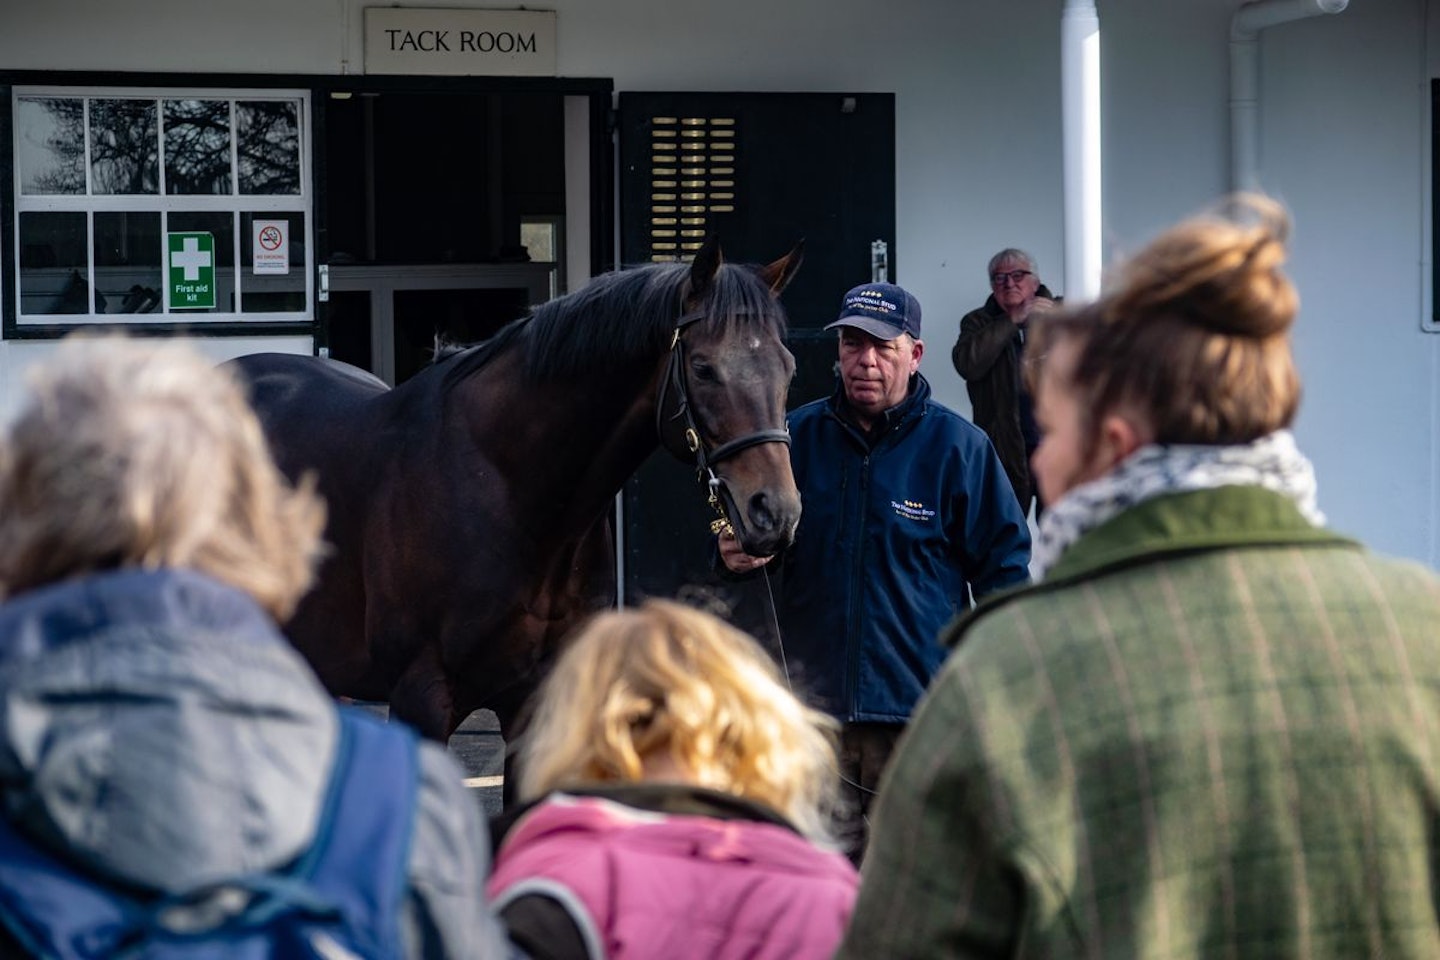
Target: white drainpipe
x,y
1080,124
1245,29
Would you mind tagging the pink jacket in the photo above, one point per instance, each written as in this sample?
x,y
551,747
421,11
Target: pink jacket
x,y
641,884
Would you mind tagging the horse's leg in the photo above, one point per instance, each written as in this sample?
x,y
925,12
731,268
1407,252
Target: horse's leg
x,y
423,699
508,714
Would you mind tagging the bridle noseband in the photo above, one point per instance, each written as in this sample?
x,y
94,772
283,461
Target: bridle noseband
x,y
672,411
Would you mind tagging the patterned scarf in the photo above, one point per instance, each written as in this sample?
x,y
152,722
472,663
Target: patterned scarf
x,y
1273,462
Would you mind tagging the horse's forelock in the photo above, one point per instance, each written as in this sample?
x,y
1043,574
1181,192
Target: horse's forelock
x,y
741,297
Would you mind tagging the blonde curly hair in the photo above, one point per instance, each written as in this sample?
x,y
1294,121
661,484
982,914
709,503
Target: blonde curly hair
x,y
134,453
669,682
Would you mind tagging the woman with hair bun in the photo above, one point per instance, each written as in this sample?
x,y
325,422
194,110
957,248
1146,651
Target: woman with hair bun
x,y
1213,728
680,799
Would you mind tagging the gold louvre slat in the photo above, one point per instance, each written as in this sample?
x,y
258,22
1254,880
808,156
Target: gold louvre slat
x,y
692,183
693,122
663,146
661,258
658,197
723,171
692,196
722,133
692,171
692,158
691,246
662,208
699,209
662,233
714,146
663,245
663,184
692,133
722,208
722,121
722,196
692,221
663,133
663,221
692,233
663,171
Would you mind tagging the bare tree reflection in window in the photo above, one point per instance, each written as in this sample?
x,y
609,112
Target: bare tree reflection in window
x,y
197,146
268,146
124,147
50,145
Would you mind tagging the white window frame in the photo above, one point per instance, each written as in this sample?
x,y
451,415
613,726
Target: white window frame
x,y
234,202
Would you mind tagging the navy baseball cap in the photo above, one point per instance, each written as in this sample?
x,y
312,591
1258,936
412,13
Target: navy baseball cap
x,y
880,309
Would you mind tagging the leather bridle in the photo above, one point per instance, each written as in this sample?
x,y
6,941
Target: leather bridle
x,y
679,433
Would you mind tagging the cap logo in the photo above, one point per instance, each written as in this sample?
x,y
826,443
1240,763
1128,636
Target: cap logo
x,y
880,309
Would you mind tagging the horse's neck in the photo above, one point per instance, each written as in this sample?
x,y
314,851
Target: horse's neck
x,y
572,443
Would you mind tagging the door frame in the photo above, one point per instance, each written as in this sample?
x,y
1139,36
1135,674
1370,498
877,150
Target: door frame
x,y
599,184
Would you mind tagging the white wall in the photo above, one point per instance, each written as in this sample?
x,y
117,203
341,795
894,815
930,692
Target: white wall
x,y
1346,114
17,355
1344,107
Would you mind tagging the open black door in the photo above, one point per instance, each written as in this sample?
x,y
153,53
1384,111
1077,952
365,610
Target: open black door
x,y
760,170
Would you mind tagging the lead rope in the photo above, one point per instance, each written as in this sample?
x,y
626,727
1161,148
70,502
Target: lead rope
x,y
775,623
784,663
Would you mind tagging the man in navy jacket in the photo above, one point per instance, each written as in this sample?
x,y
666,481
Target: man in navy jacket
x,y
907,516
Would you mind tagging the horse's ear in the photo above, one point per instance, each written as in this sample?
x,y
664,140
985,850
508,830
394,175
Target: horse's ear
x,y
777,275
705,265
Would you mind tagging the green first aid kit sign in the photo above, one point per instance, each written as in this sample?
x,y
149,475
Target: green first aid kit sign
x,y
192,271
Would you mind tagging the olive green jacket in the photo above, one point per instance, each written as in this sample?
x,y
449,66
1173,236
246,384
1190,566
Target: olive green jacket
x,y
1213,731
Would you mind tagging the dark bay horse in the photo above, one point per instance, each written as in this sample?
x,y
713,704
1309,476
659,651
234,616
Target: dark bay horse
x,y
469,506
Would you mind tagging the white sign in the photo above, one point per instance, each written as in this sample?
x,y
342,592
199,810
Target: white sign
x,y
270,246
454,42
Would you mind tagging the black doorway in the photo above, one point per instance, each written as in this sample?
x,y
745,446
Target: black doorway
x,y
814,166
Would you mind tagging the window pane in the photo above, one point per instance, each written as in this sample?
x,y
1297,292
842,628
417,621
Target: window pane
x,y
50,145
268,135
124,147
197,147
53,264
127,262
222,225
271,291
538,240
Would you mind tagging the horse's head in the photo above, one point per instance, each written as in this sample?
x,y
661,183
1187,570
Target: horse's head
x,y
723,400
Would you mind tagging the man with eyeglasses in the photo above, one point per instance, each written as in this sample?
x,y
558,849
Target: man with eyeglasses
x,y
988,355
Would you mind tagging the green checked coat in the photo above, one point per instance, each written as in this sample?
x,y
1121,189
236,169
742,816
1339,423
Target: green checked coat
x,y
1213,731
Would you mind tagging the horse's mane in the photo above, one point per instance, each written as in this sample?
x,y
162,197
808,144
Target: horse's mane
x,y
615,320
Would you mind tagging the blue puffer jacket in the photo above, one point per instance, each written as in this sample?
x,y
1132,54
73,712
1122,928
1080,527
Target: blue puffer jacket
x,y
890,538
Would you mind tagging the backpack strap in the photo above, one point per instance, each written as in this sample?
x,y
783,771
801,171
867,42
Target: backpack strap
x,y
48,909
353,876
360,858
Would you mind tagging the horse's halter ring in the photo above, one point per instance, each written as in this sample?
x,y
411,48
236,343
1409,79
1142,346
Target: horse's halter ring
x,y
687,444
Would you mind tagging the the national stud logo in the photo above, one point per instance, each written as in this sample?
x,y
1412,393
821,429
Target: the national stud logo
x,y
912,510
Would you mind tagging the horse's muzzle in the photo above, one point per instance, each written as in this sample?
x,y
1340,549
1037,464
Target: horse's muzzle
x,y
765,523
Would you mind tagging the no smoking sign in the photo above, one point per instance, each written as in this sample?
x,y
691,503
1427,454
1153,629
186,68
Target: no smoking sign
x,y
270,246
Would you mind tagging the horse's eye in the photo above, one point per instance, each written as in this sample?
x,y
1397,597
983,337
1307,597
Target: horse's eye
x,y
704,372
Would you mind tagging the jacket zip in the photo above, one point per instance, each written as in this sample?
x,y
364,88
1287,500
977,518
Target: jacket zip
x,y
853,626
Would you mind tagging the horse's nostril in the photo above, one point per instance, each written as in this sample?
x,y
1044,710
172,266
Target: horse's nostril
x,y
762,518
